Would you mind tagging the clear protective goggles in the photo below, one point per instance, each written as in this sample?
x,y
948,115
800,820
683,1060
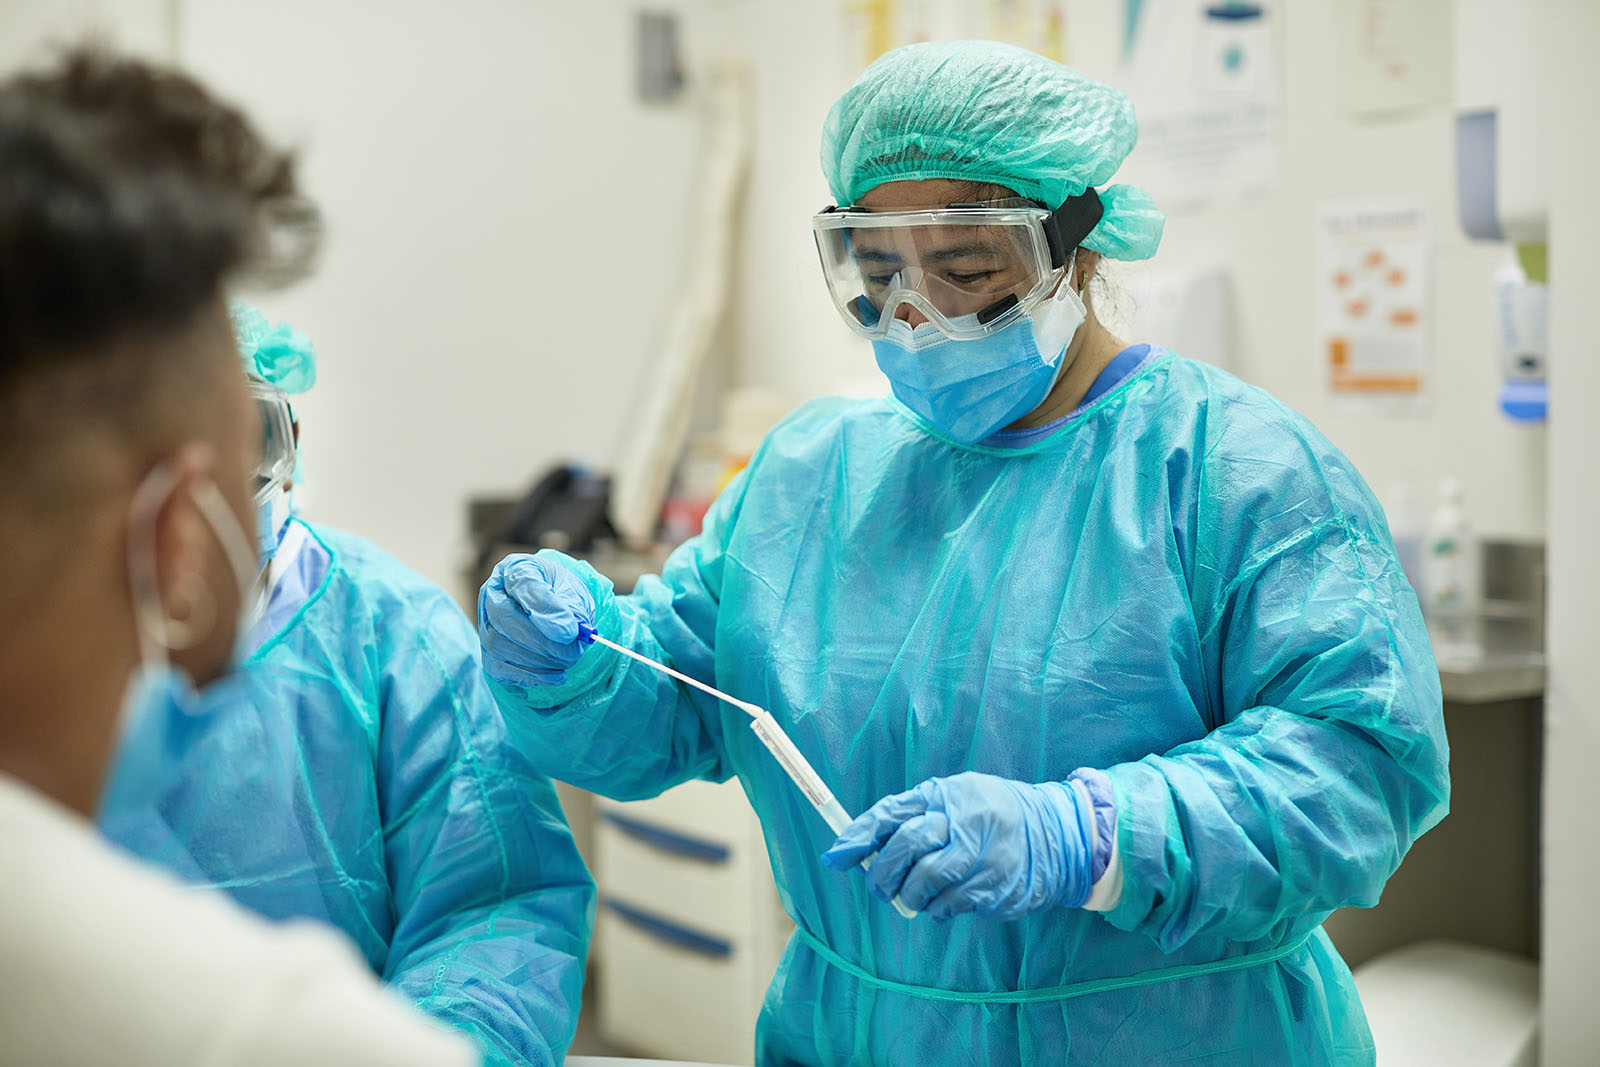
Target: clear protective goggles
x,y
277,437
969,269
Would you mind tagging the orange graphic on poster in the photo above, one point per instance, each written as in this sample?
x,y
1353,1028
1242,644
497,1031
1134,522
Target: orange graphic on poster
x,y
1372,300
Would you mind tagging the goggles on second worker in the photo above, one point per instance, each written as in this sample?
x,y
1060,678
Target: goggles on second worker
x,y
969,269
277,437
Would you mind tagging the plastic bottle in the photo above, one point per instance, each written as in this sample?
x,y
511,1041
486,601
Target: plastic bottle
x,y
1452,585
1405,526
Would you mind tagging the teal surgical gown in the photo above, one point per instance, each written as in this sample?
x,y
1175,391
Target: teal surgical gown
x,y
1185,585
403,817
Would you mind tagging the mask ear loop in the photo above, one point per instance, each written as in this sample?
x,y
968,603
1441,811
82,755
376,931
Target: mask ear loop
x,y
160,633
231,536
1065,272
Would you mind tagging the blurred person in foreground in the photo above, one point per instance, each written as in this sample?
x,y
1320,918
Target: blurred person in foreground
x,y
410,822
129,198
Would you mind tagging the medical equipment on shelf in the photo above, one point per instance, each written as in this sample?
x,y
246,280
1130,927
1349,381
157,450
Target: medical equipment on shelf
x,y
771,735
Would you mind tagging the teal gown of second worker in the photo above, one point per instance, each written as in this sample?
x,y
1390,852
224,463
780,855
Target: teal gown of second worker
x,y
408,821
1185,586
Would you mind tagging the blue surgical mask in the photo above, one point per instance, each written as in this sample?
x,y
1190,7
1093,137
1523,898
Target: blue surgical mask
x,y
272,515
970,389
163,715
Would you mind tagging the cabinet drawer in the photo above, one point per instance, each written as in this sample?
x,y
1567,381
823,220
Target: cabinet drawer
x,y
674,990
716,811
695,880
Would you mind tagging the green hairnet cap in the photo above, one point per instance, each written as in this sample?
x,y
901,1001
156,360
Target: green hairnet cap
x,y
994,113
277,352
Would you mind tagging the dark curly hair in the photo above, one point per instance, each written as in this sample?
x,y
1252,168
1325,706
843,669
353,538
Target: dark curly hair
x,y
130,200
129,196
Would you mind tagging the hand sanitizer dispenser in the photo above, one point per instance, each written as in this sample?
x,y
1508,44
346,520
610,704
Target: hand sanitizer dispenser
x,y
1502,108
1520,315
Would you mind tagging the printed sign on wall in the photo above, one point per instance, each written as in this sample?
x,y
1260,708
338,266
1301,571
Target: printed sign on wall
x,y
1372,292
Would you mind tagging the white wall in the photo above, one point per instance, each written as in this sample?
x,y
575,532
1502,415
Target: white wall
x,y
1572,703
789,335
506,225
32,30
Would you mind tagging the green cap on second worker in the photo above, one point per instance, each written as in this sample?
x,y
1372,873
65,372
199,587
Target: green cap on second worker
x,y
276,352
994,113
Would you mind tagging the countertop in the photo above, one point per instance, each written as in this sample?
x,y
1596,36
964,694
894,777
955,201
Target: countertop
x,y
1505,677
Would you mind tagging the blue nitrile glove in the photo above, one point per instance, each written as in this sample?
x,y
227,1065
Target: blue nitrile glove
x,y
978,843
529,612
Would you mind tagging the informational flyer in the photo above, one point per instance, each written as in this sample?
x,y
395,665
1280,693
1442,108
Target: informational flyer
x,y
1201,77
1372,288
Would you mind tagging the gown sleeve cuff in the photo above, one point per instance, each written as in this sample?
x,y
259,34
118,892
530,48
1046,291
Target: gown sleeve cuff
x,y
1106,890
1106,893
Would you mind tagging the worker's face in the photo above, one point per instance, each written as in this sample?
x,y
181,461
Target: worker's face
x,y
972,266
965,268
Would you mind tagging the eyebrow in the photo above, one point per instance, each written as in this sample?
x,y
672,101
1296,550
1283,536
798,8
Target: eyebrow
x,y
969,250
948,254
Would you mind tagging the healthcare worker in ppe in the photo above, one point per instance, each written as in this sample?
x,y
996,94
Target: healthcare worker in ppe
x,y
1111,651
411,824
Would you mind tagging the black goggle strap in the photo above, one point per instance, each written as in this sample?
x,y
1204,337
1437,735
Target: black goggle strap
x,y
1064,231
1070,223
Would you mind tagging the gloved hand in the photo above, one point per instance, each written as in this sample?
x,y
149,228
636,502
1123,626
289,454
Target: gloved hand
x,y
528,616
978,843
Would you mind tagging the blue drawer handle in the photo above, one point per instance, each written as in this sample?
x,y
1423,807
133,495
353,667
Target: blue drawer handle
x,y
693,848
671,932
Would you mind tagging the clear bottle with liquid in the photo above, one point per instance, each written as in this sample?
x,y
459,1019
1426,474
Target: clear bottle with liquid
x,y
1452,577
1405,526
